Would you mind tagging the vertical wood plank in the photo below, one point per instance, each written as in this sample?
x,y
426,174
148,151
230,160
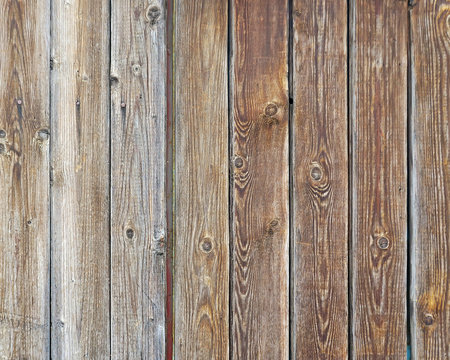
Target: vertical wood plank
x,y
320,180
138,116
24,179
201,283
379,115
430,179
260,115
80,192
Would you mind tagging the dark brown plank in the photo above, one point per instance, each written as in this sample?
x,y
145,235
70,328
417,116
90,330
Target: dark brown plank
x,y
379,117
138,235
80,178
259,87
430,179
24,179
201,264
320,180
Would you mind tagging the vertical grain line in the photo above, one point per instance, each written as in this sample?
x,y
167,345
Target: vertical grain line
x,y
50,176
169,176
350,114
291,342
110,177
230,178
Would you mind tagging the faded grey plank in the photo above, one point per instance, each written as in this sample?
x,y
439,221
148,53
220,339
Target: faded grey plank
x,y
80,192
24,179
138,243
201,265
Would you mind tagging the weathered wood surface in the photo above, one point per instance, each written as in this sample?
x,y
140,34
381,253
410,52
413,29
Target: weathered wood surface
x,y
320,180
379,31
430,179
24,179
138,236
260,163
201,265
80,180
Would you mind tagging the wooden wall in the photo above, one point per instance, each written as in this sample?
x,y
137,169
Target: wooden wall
x,y
224,179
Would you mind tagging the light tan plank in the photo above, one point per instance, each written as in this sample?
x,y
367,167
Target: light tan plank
x,y
24,179
320,180
138,244
201,181
379,117
80,192
430,179
260,120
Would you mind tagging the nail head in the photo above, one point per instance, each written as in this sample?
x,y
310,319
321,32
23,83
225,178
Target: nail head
x,y
383,243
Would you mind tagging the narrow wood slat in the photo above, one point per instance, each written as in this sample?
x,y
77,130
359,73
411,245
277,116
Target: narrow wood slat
x,y
24,179
379,117
201,264
80,192
138,116
430,179
320,180
260,120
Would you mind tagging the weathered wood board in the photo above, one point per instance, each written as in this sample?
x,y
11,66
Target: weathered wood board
x,y
378,95
201,263
24,179
138,236
320,180
430,179
80,281
260,189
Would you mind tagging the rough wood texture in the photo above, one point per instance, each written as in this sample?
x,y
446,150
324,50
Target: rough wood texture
x,y
379,115
201,270
138,243
320,180
430,179
260,112
80,193
24,179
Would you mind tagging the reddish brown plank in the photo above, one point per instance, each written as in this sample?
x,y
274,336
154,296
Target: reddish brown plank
x,y
379,117
320,180
430,179
24,179
259,88
201,263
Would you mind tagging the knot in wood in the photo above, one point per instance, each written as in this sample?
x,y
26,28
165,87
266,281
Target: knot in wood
x,y
271,109
206,244
136,68
43,134
316,173
428,319
153,14
238,162
2,133
130,233
383,243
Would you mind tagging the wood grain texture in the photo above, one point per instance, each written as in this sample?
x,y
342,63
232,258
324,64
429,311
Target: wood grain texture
x,y
201,264
320,180
138,117
24,179
260,112
379,117
430,179
80,192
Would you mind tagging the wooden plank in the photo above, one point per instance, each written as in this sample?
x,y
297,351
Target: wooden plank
x,y
24,179
379,117
80,192
138,117
260,118
430,179
320,179
201,264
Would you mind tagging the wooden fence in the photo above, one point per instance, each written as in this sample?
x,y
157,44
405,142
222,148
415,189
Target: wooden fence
x,y
224,179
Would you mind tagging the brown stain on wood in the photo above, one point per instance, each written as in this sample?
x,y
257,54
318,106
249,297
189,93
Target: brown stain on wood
x,y
430,192
259,88
379,117
320,180
201,283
